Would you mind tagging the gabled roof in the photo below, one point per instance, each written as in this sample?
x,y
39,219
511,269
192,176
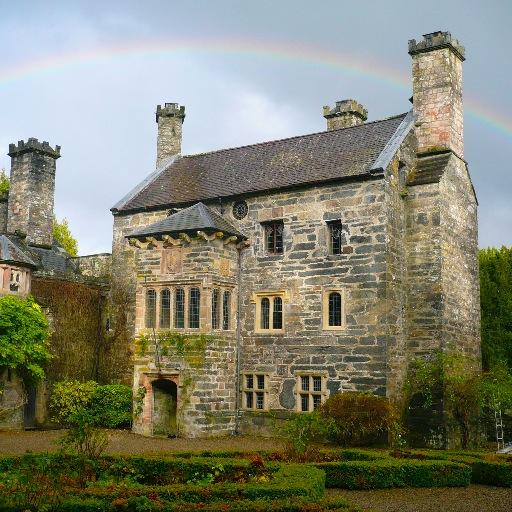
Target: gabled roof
x,y
190,220
307,159
13,251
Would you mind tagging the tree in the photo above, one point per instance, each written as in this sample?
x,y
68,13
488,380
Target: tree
x,y
496,306
4,182
24,337
62,234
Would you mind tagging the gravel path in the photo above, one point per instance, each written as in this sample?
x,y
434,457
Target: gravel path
x,y
475,498
124,442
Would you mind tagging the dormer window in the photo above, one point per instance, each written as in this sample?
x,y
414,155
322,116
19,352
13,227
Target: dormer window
x,y
274,237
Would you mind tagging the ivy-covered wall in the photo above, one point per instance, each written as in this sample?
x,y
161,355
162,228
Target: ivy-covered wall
x,y
82,349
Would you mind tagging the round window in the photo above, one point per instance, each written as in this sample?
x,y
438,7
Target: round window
x,y
240,210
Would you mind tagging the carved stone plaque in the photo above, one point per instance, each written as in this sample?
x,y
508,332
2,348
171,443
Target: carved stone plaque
x,y
172,261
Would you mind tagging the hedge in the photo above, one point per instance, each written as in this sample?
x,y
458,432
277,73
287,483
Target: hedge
x,y
382,474
123,478
492,473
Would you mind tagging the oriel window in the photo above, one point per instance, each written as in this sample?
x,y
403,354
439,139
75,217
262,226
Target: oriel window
x,y
274,237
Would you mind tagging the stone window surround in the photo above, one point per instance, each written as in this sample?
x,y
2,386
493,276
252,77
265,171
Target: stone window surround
x,y
323,393
220,326
325,309
205,299
257,297
254,390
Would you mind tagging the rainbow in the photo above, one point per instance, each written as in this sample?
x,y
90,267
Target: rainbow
x,y
280,51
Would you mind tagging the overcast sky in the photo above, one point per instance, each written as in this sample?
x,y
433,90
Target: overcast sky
x,y
87,75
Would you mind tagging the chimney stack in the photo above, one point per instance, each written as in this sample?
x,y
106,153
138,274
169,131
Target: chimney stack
x,y
437,92
170,119
344,114
32,190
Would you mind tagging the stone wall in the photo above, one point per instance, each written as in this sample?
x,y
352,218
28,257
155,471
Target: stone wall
x,y
95,265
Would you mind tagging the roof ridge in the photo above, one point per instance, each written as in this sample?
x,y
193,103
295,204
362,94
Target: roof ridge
x,y
293,137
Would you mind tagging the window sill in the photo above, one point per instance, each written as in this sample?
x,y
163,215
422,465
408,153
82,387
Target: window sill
x,y
270,332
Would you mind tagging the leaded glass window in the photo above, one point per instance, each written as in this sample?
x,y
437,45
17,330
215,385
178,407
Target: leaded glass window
x,y
274,237
334,309
277,313
336,234
193,308
310,392
215,308
165,309
226,305
265,313
255,391
179,309
150,309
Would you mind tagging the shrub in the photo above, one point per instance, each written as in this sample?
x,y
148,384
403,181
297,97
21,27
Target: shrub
x,y
355,418
70,396
382,474
107,406
111,405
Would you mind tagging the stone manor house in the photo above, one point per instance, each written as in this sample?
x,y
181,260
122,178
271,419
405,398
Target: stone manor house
x,y
256,281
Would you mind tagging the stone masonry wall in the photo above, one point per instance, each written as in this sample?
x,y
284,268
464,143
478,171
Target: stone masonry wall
x,y
459,252
95,265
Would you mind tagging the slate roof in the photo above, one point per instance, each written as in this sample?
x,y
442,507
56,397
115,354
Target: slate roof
x,y
189,220
14,251
306,159
54,260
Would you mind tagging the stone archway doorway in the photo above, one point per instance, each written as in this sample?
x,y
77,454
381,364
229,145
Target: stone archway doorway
x,y
165,402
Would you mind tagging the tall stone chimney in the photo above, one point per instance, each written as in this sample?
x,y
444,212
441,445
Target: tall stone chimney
x,y
344,114
170,119
31,195
437,92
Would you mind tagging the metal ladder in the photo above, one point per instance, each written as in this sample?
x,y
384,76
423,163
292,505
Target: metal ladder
x,y
499,429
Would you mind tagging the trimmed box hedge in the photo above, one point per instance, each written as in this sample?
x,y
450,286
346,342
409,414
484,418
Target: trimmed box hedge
x,y
382,474
492,473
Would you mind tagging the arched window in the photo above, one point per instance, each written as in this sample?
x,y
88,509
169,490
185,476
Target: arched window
x,y
226,305
165,309
179,309
265,313
334,309
215,308
277,313
193,308
150,309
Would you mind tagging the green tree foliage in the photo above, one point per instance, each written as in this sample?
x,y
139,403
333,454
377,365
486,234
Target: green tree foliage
x,y
62,234
496,304
4,182
467,393
24,337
